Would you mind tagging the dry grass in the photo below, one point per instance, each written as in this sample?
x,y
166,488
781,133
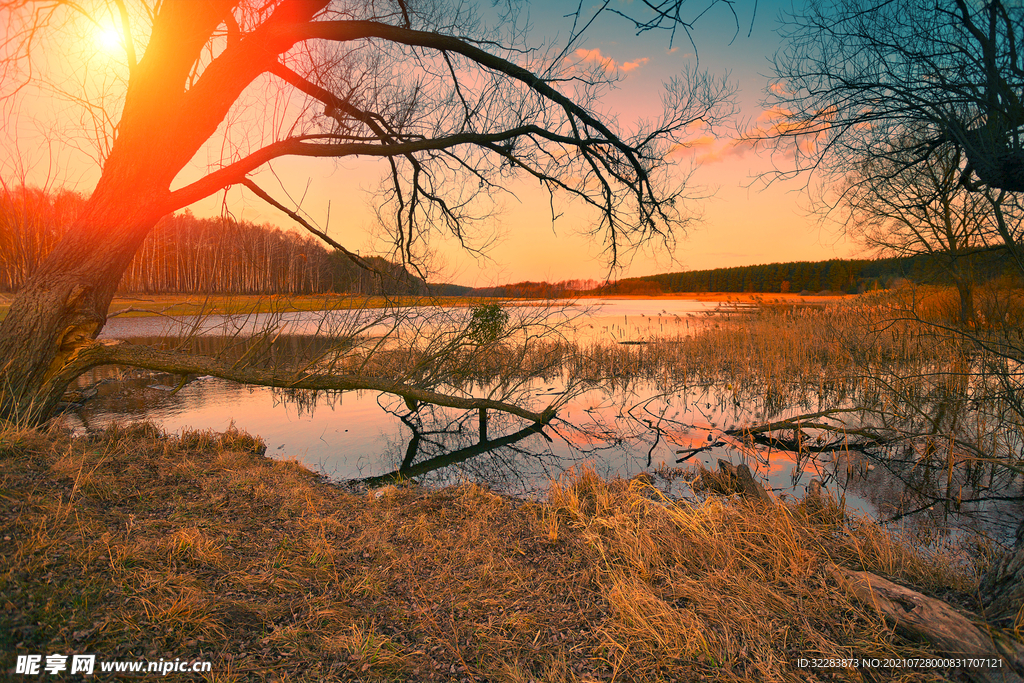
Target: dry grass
x,y
133,544
782,349
782,353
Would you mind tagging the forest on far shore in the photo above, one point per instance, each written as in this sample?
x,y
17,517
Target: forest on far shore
x,y
191,255
836,276
839,276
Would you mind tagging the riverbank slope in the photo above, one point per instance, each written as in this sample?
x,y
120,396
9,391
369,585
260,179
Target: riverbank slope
x,y
134,545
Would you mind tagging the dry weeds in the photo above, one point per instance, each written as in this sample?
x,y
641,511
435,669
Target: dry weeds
x,y
132,544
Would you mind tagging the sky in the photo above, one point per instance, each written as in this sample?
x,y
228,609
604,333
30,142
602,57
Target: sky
x,y
743,221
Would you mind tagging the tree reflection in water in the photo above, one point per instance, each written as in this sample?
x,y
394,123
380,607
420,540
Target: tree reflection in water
x,y
436,455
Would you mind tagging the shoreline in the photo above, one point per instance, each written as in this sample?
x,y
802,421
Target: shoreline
x,y
734,297
151,305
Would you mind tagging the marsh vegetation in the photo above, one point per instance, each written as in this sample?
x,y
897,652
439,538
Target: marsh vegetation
x,y
196,544
877,395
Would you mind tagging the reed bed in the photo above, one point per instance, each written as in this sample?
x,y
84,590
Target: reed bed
x,y
939,396
776,345
134,544
773,350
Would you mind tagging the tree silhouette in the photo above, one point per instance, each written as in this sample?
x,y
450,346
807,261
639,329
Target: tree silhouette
x,y
884,93
922,209
452,108
856,77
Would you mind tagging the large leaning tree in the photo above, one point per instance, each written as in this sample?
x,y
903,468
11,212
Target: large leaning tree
x,y
874,96
452,109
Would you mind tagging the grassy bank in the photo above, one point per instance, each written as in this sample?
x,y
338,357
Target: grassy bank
x,y
134,545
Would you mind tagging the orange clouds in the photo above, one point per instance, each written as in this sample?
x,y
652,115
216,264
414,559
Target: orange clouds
x,y
777,128
800,133
797,135
608,64
635,64
708,149
728,149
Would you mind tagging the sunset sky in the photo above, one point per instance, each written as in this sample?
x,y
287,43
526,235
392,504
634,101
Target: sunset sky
x,y
743,223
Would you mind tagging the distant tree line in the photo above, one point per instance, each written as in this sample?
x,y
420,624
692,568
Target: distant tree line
x,y
224,256
837,275
521,290
194,255
841,276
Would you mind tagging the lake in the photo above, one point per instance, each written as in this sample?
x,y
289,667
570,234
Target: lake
x,y
621,428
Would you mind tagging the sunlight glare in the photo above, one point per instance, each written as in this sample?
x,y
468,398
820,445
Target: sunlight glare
x,y
108,40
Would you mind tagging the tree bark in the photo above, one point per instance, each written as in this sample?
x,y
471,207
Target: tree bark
x,y
966,291
63,305
949,632
1002,588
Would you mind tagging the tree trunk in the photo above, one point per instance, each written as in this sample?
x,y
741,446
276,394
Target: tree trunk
x,y
164,121
966,291
63,305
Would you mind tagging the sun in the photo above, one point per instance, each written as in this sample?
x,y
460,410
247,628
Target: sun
x,y
107,39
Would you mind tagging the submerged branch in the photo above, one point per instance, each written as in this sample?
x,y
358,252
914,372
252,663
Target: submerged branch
x,y
802,442
795,422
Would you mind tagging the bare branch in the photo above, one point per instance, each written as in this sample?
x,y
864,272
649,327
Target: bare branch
x,y
122,353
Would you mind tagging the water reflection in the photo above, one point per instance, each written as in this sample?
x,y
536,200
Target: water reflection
x,y
440,453
584,320
620,429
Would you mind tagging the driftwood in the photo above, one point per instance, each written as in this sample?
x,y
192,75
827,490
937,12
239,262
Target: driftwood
x,y
915,615
751,488
722,482
1002,588
952,634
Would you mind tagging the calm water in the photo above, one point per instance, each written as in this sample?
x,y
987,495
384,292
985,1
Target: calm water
x,y
359,435
618,319
618,431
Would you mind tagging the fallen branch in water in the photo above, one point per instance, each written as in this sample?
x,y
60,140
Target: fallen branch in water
x,y
802,442
123,353
688,453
